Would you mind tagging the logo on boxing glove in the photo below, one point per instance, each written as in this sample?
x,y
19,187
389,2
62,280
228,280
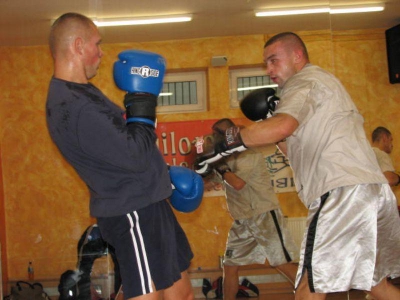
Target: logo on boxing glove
x,y
231,137
145,71
199,144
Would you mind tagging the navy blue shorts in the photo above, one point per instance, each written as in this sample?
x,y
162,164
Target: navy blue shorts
x,y
150,246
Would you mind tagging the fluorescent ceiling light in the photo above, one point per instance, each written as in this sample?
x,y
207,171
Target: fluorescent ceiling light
x,y
320,9
142,21
292,11
165,94
356,8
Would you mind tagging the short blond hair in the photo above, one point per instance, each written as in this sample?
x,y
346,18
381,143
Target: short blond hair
x,y
65,25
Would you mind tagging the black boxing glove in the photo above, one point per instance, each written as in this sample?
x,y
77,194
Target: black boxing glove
x,y
231,142
259,104
204,169
221,146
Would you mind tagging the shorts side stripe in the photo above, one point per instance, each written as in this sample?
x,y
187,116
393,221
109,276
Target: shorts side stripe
x,y
278,230
308,252
140,257
146,262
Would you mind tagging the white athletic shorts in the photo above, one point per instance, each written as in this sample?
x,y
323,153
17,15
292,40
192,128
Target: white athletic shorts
x,y
352,239
260,238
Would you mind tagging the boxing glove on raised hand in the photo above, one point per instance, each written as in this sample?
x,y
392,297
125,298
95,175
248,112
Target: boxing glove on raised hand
x,y
187,190
259,104
222,145
140,74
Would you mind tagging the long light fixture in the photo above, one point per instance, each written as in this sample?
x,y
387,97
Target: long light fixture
x,y
142,21
165,94
349,9
320,9
292,11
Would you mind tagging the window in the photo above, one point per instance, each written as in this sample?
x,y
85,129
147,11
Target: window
x,y
242,81
183,92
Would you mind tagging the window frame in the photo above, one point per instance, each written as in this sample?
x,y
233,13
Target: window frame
x,y
200,77
236,73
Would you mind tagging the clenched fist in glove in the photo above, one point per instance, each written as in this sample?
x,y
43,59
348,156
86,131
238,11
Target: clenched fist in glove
x,y
226,140
259,104
140,74
188,188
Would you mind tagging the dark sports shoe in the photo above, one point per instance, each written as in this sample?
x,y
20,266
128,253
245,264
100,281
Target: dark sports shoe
x,y
206,286
216,291
219,291
247,289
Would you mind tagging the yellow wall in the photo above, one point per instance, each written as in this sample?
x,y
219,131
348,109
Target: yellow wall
x,y
45,202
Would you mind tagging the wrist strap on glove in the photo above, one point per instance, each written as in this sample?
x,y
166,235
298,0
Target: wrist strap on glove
x,y
140,107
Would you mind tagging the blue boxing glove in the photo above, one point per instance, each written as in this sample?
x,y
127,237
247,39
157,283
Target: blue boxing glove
x,y
188,189
140,74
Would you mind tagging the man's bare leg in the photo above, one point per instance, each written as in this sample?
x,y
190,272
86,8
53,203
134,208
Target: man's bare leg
x,y
158,295
288,270
180,290
231,282
152,296
385,290
303,291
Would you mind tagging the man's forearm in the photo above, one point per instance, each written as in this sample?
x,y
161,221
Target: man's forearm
x,y
392,178
269,131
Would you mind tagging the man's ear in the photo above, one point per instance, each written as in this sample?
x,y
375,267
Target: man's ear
x,y
298,56
78,45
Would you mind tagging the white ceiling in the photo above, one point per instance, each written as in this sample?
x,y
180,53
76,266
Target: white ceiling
x,y
27,22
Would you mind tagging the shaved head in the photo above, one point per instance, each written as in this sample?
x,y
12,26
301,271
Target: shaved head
x,y
291,40
284,55
66,29
74,42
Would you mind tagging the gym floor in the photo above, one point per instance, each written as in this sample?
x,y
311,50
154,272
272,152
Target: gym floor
x,y
351,295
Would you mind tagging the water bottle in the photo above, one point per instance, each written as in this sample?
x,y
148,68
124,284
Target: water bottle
x,y
31,273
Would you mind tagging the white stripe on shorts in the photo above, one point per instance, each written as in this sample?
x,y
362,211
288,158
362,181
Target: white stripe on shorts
x,y
139,253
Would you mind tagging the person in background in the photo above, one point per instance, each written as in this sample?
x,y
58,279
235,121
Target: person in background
x,y
352,239
258,234
119,160
382,144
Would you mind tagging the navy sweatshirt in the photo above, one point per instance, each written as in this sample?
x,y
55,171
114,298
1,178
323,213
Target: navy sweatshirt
x,y
121,165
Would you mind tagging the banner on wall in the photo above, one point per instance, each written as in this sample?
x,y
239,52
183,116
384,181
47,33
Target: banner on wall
x,y
176,141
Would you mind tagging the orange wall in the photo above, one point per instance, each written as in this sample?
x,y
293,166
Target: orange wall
x,y
45,202
3,247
